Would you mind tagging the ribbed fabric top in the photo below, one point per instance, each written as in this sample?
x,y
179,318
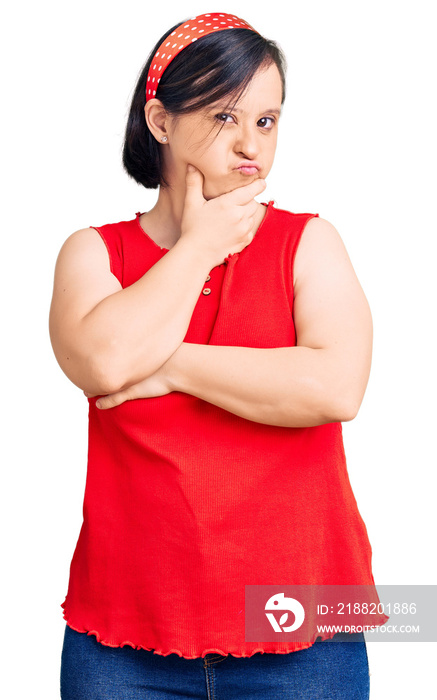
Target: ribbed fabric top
x,y
186,503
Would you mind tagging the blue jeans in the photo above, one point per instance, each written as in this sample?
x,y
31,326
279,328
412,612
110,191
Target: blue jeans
x,y
331,670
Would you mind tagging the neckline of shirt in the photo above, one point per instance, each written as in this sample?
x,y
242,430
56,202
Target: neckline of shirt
x,y
166,250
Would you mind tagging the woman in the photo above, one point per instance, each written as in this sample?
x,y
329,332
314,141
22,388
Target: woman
x,y
220,342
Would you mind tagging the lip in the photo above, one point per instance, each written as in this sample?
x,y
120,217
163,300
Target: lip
x,y
248,167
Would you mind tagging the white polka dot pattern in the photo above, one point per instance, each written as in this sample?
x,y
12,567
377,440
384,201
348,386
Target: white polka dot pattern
x,y
184,35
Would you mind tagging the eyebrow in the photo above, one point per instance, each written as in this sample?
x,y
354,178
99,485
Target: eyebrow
x,y
235,109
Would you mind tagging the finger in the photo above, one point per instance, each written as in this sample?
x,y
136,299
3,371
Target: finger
x,y
194,186
88,395
112,400
244,195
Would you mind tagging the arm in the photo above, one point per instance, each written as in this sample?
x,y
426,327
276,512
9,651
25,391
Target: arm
x,y
106,338
323,378
103,334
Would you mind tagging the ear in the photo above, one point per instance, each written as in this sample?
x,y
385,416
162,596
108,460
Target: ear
x,y
156,118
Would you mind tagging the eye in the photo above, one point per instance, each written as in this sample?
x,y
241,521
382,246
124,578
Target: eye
x,y
267,119
223,117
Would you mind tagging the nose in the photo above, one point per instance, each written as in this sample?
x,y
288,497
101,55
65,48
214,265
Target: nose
x,y
246,142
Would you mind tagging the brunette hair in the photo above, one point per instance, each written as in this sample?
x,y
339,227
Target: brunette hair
x,y
221,65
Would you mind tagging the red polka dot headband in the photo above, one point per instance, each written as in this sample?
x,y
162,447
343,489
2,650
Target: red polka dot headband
x,y
184,35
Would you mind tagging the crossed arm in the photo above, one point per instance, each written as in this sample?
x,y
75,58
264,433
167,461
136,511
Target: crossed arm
x,y
320,380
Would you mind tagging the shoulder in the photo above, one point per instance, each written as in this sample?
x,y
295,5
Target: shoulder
x,y
320,247
308,225
318,234
83,264
316,227
83,242
94,240
92,234
81,235
318,237
87,251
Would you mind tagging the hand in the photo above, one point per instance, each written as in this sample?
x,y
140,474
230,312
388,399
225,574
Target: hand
x,y
155,385
223,225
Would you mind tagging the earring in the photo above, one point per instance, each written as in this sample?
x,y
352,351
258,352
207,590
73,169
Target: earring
x,y
164,139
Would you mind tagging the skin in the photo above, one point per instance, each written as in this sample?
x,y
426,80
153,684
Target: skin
x,y
205,214
194,139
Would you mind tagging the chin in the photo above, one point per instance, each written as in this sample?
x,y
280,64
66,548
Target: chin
x,y
210,190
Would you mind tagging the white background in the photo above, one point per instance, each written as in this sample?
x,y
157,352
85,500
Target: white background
x,y
357,145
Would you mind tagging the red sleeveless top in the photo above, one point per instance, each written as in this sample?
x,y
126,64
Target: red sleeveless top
x,y
186,503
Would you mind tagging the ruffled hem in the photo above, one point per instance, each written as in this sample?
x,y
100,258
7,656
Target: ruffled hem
x,y
293,646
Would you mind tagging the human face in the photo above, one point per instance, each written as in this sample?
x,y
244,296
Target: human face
x,y
219,141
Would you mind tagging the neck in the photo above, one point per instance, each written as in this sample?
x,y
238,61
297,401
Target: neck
x,y
163,221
